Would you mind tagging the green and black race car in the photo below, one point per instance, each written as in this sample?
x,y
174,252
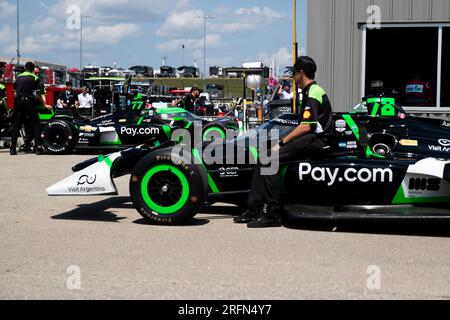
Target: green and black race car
x,y
137,124
137,117
380,163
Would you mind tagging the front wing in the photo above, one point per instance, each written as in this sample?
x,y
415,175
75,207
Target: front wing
x,y
92,181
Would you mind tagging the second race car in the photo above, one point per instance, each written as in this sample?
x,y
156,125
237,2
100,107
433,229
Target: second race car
x,y
135,125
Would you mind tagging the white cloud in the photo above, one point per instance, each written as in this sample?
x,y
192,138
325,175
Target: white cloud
x,y
266,13
172,23
6,33
238,26
44,25
110,35
184,23
111,11
177,22
213,41
28,46
186,28
283,55
7,9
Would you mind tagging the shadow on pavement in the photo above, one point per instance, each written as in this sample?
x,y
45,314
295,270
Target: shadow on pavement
x,y
192,223
210,213
99,211
221,212
439,229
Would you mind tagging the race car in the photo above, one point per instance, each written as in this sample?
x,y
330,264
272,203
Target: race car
x,y
135,125
380,164
138,117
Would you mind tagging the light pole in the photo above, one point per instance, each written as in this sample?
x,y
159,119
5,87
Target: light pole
x,y
295,54
82,16
183,47
18,33
205,18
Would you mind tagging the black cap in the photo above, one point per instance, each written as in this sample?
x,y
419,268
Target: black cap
x,y
307,65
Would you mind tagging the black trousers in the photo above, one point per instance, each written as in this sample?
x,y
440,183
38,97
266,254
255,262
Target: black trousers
x,y
266,189
25,114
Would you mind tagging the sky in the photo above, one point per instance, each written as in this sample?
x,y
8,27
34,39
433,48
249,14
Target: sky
x,y
141,32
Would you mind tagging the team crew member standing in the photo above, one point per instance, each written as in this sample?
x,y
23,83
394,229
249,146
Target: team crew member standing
x,y
3,109
2,93
85,102
27,88
188,102
308,139
34,121
2,90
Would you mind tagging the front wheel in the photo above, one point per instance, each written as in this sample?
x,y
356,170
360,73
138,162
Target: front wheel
x,y
168,191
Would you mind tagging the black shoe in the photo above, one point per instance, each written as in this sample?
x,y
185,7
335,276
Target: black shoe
x,y
246,217
13,152
269,218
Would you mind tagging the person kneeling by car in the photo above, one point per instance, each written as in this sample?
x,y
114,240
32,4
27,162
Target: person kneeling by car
x,y
308,139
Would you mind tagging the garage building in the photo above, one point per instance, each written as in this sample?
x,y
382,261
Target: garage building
x,y
363,47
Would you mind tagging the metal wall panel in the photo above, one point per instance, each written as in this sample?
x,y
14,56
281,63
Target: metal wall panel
x,y
320,37
343,46
421,10
441,10
335,41
386,7
402,10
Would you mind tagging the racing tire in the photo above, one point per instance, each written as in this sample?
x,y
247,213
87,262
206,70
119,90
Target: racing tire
x,y
166,190
59,137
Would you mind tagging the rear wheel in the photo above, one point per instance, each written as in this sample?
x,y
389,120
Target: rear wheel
x,y
166,191
59,137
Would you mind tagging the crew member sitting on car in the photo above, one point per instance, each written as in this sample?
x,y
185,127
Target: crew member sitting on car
x,y
308,139
188,101
418,93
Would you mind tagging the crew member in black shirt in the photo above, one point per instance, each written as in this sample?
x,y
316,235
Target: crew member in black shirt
x,y
27,88
188,102
3,109
308,139
68,98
